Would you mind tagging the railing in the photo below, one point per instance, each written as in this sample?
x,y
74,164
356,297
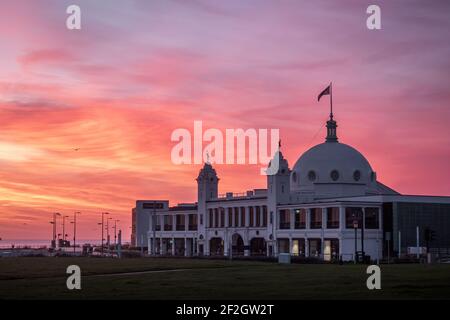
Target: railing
x,y
180,227
300,225
316,224
332,224
167,227
285,225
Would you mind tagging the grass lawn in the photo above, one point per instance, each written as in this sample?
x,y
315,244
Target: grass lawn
x,y
45,278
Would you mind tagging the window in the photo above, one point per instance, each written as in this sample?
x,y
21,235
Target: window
x,y
157,223
353,215
236,217
258,216
192,224
300,218
179,221
316,218
216,218
167,223
357,175
332,218
222,217
252,218
285,219
201,219
294,176
211,218
230,217
372,218
334,175
311,175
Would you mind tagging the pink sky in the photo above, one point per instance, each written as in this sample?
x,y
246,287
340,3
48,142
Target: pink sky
x,y
140,69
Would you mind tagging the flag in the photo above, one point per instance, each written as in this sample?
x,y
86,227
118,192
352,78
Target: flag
x,y
324,92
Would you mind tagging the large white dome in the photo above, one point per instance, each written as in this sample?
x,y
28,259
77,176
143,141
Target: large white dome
x,y
332,168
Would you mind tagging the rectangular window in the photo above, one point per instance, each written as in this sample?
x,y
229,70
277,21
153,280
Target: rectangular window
x,y
216,217
300,218
236,217
285,219
353,217
192,222
242,216
258,216
211,218
157,223
222,217
316,218
252,218
372,218
167,223
332,218
179,221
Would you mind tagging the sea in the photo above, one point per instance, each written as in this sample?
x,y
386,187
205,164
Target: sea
x,y
38,243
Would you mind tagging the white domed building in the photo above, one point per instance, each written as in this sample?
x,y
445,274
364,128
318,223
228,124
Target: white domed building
x,y
329,206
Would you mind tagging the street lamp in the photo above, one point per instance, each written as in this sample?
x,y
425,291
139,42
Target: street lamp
x,y
107,231
54,228
115,232
355,227
75,228
103,228
64,229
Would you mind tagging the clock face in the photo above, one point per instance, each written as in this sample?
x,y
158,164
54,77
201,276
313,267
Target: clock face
x,y
312,175
357,175
334,175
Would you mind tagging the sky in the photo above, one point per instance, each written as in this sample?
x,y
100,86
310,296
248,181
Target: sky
x,y
86,115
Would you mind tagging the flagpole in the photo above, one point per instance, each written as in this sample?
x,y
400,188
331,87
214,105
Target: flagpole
x,y
331,101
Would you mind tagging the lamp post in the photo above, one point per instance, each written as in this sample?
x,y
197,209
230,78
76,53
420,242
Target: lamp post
x,y
107,231
103,229
75,229
54,228
64,229
355,226
115,232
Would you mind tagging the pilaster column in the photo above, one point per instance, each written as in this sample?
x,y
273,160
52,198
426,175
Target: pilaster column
x,y
261,216
291,219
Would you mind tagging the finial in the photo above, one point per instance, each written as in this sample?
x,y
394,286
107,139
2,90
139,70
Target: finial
x,y
207,158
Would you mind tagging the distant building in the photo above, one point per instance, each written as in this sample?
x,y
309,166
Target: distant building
x,y
311,210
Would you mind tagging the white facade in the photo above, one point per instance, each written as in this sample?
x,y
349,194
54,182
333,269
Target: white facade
x,y
311,211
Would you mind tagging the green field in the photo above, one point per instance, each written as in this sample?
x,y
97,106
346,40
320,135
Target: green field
x,y
103,278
